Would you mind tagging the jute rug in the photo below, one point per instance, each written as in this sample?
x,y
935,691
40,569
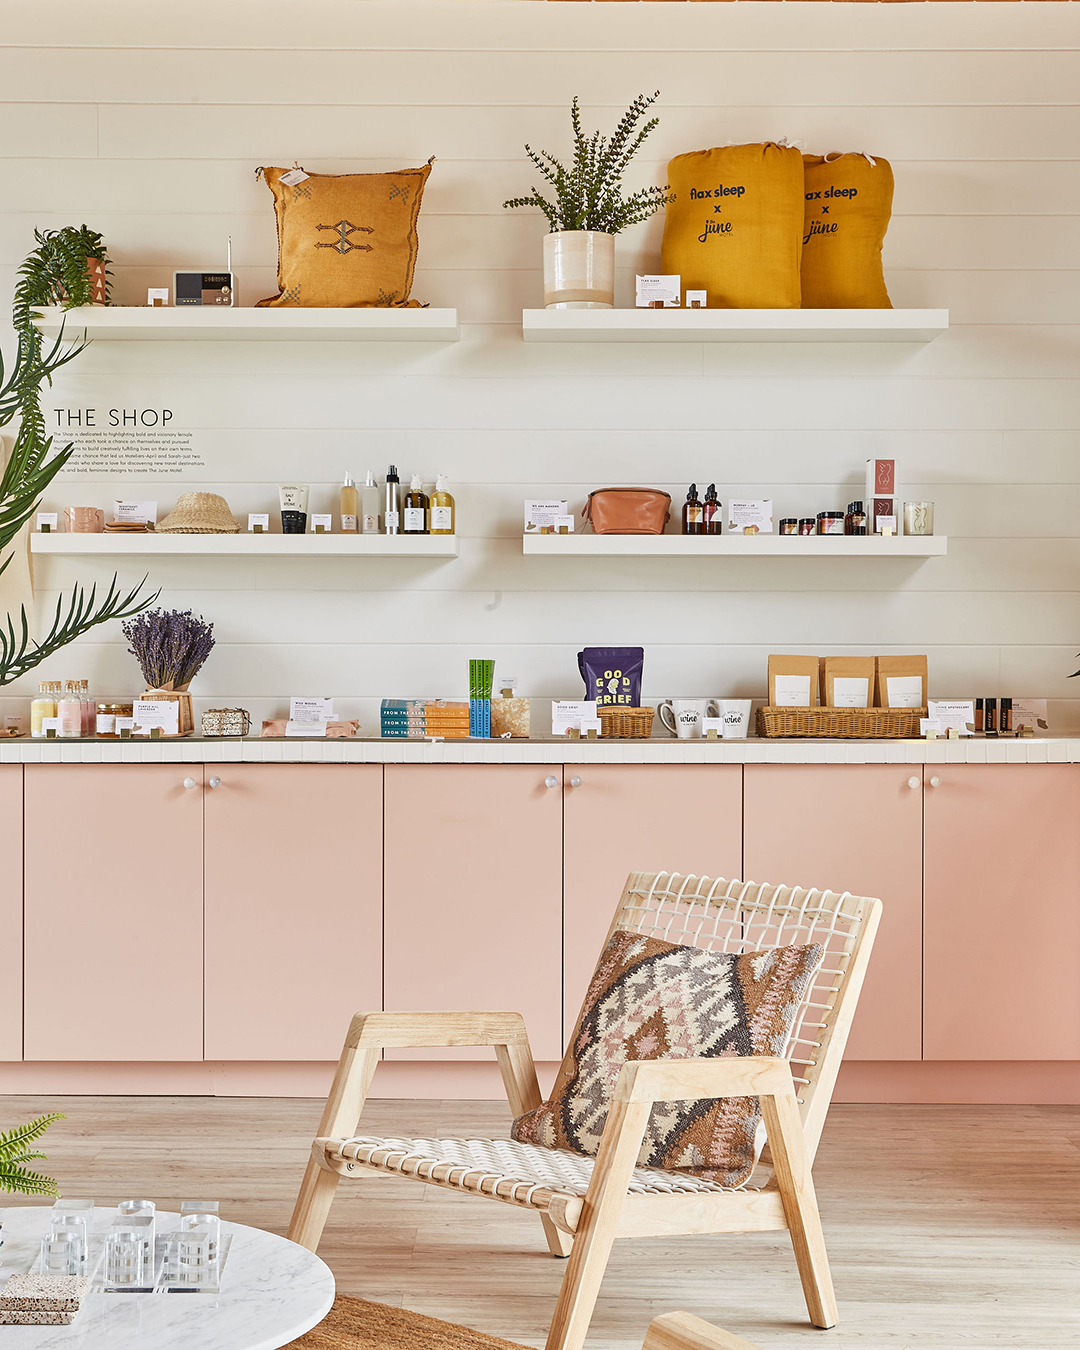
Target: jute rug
x,y
356,1324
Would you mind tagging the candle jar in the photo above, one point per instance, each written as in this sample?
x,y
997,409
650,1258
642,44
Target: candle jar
x,y
789,525
918,517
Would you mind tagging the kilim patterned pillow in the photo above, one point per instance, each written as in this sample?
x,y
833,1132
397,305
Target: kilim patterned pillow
x,y
346,240
658,1000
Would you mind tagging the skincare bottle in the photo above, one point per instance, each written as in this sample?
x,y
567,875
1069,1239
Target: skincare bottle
x,y
70,711
990,716
979,715
350,507
43,706
713,512
369,505
391,501
89,709
293,499
416,507
442,508
1005,720
692,513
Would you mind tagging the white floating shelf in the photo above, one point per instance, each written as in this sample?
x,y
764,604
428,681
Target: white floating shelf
x,y
735,546
115,323
249,545
733,325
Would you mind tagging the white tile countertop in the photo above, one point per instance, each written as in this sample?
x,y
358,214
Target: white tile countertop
x,y
196,750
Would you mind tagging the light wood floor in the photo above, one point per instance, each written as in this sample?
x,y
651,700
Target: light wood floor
x,y
947,1226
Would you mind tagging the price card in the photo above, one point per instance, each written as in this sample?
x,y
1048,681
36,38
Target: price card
x,y
952,712
311,710
46,521
566,714
542,513
150,713
134,513
305,728
755,516
258,522
322,524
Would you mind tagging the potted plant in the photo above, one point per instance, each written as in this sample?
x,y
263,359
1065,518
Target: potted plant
x,y
590,209
14,1175
69,267
170,646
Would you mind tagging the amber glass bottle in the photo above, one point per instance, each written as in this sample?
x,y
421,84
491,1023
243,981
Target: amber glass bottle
x,y
713,514
693,513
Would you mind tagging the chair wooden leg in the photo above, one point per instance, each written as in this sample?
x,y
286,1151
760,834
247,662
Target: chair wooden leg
x,y
559,1243
312,1208
786,1143
599,1224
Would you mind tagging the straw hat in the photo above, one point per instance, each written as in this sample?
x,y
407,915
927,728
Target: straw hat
x,y
200,513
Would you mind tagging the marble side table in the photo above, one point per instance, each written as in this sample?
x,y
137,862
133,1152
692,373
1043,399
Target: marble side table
x,y
271,1292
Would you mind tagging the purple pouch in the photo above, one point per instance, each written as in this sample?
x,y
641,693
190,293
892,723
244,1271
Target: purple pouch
x,y
612,675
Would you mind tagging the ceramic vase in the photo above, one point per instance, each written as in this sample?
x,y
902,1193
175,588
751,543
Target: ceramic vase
x,y
579,270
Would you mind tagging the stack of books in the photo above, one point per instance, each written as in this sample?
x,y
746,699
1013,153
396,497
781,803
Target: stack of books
x,y
481,676
416,718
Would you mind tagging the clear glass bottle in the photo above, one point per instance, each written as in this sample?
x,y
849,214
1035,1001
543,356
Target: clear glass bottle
x,y
350,507
89,709
70,711
43,706
416,507
443,509
369,505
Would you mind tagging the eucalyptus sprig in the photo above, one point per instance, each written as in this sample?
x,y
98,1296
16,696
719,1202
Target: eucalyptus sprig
x,y
14,1145
589,194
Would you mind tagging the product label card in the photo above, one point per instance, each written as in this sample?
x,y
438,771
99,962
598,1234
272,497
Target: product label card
x,y
15,723
260,518
697,299
951,712
414,519
442,517
150,713
717,723
542,513
124,724
135,513
311,710
564,525
666,289
1031,712
588,724
755,515
51,724
305,728
293,177
322,524
850,691
792,691
883,523
903,691
566,714
934,724
47,518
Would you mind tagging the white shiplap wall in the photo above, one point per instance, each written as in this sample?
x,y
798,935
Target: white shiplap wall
x,y
147,122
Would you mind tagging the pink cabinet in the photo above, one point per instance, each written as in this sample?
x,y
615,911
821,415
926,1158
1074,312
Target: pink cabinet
x,y
113,912
852,828
1002,912
11,911
638,818
473,897
293,907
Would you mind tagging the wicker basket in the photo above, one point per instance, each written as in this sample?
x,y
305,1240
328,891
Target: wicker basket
x,y
626,723
861,724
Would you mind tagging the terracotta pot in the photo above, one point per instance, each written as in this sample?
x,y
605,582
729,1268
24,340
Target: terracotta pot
x,y
95,269
579,270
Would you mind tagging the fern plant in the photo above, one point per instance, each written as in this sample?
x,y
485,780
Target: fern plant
x,y
14,1176
55,272
589,193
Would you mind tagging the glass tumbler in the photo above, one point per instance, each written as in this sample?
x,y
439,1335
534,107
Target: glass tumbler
x,y
918,517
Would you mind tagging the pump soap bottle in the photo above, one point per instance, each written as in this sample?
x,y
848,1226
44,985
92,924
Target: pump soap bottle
x,y
392,501
443,509
416,507
369,505
350,506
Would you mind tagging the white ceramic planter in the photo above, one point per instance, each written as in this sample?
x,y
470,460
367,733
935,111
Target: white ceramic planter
x,y
579,270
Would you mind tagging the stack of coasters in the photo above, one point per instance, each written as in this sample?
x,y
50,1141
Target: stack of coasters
x,y
41,1300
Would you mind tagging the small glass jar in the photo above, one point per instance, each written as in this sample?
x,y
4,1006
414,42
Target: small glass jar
x,y
918,517
789,525
830,522
107,713
807,525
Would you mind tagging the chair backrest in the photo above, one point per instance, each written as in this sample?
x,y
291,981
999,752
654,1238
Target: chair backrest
x,y
742,916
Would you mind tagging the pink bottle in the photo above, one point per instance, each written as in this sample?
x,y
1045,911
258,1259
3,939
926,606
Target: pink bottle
x,y
70,711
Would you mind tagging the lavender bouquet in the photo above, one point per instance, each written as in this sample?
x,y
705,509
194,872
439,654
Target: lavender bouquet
x,y
170,645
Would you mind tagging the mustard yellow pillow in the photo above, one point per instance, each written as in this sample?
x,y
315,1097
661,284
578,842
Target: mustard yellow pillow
x,y
733,225
848,206
346,240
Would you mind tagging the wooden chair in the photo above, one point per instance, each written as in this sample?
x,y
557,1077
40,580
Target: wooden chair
x,y
584,1204
684,1331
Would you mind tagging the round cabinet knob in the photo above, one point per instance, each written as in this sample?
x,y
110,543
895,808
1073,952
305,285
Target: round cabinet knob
x,y
913,782
935,782
190,783
551,781
215,782
575,781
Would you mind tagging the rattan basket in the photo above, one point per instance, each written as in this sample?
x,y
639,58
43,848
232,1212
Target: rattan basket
x,y
626,723
861,724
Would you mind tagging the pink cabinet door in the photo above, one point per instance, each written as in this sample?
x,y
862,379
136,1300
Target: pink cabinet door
x,y
473,900
638,818
1002,912
11,911
113,905
855,828
293,907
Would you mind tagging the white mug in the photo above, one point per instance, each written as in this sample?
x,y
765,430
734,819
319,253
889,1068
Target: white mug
x,y
735,715
682,716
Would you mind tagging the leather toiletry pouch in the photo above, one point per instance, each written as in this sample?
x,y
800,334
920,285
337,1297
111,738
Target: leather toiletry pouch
x,y
345,240
628,510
